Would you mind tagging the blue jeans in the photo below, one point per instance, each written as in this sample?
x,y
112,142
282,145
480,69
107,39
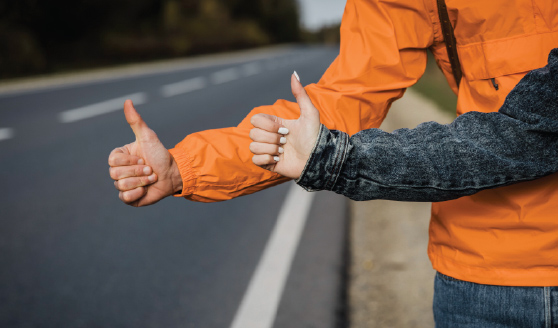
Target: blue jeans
x,y
460,304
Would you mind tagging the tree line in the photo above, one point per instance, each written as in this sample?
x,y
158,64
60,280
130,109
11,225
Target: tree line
x,y
47,36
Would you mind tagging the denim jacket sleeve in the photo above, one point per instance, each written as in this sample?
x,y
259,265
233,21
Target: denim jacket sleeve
x,y
436,162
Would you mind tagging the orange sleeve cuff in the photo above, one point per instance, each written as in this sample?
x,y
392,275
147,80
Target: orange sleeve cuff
x,y
189,177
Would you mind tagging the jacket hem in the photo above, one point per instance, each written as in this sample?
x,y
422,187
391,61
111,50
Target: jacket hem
x,y
495,276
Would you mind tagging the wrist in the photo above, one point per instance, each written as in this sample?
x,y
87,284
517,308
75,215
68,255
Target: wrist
x,y
176,178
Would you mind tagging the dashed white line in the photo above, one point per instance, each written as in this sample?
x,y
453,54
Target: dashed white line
x,y
185,86
259,304
272,65
104,107
6,133
226,75
251,69
169,90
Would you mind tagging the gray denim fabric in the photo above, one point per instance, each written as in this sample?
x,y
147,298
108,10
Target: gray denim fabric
x,y
436,162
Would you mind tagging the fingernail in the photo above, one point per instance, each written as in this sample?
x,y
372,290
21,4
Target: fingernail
x,y
151,178
283,131
296,75
146,170
283,140
281,150
276,158
141,161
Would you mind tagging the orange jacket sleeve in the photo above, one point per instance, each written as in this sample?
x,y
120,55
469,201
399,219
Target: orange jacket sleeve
x,y
382,53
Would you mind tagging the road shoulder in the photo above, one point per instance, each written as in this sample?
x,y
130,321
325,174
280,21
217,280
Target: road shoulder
x,y
390,276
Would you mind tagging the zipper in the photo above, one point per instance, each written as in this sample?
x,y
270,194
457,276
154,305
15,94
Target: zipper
x,y
495,84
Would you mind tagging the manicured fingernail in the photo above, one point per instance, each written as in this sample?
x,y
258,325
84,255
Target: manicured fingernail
x,y
283,140
146,170
281,150
276,158
283,131
141,161
151,178
296,75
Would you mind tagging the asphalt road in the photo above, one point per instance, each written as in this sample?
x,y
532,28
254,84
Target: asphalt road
x,y
72,255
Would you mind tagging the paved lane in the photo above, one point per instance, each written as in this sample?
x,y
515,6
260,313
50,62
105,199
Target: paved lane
x,y
71,255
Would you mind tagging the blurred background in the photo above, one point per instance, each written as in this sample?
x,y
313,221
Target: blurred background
x,y
72,255
39,37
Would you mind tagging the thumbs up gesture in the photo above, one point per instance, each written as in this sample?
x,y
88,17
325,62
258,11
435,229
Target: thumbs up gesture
x,y
284,146
144,171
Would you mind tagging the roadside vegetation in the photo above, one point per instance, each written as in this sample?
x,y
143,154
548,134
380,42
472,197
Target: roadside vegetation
x,y
433,86
41,37
38,37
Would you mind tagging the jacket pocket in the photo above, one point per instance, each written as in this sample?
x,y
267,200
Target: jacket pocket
x,y
491,59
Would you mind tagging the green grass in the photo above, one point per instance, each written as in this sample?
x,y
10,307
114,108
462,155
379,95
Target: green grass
x,y
433,85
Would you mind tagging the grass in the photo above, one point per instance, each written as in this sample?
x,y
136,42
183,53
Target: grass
x,y
433,85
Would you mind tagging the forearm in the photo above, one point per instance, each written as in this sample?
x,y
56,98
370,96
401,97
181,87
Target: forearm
x,y
435,162
354,94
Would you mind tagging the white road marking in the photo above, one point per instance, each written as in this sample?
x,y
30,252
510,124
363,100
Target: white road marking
x,y
135,70
225,75
251,69
272,65
6,133
104,107
259,304
182,87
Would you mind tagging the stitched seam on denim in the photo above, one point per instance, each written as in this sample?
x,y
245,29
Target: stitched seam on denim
x,y
326,186
302,180
333,178
547,315
343,158
448,278
403,186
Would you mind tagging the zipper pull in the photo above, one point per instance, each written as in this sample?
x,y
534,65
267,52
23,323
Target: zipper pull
x,y
494,84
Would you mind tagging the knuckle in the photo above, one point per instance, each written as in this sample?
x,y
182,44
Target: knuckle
x,y
252,147
113,173
123,197
111,160
119,184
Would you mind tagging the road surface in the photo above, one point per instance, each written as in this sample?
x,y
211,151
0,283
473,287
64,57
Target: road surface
x,y
72,255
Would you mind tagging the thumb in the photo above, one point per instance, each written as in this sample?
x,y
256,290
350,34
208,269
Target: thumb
x,y
307,109
140,128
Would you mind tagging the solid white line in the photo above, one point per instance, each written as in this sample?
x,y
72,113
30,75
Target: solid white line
x,y
6,133
259,304
225,75
185,86
104,107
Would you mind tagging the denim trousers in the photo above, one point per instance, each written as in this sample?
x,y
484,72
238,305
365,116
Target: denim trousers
x,y
460,304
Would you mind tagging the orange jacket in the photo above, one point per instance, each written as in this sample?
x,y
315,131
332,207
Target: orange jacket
x,y
504,236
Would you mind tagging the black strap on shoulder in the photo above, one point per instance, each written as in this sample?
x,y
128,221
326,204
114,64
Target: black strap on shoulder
x,y
449,39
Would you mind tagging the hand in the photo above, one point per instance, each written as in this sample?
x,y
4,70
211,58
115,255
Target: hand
x,y
140,184
286,152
